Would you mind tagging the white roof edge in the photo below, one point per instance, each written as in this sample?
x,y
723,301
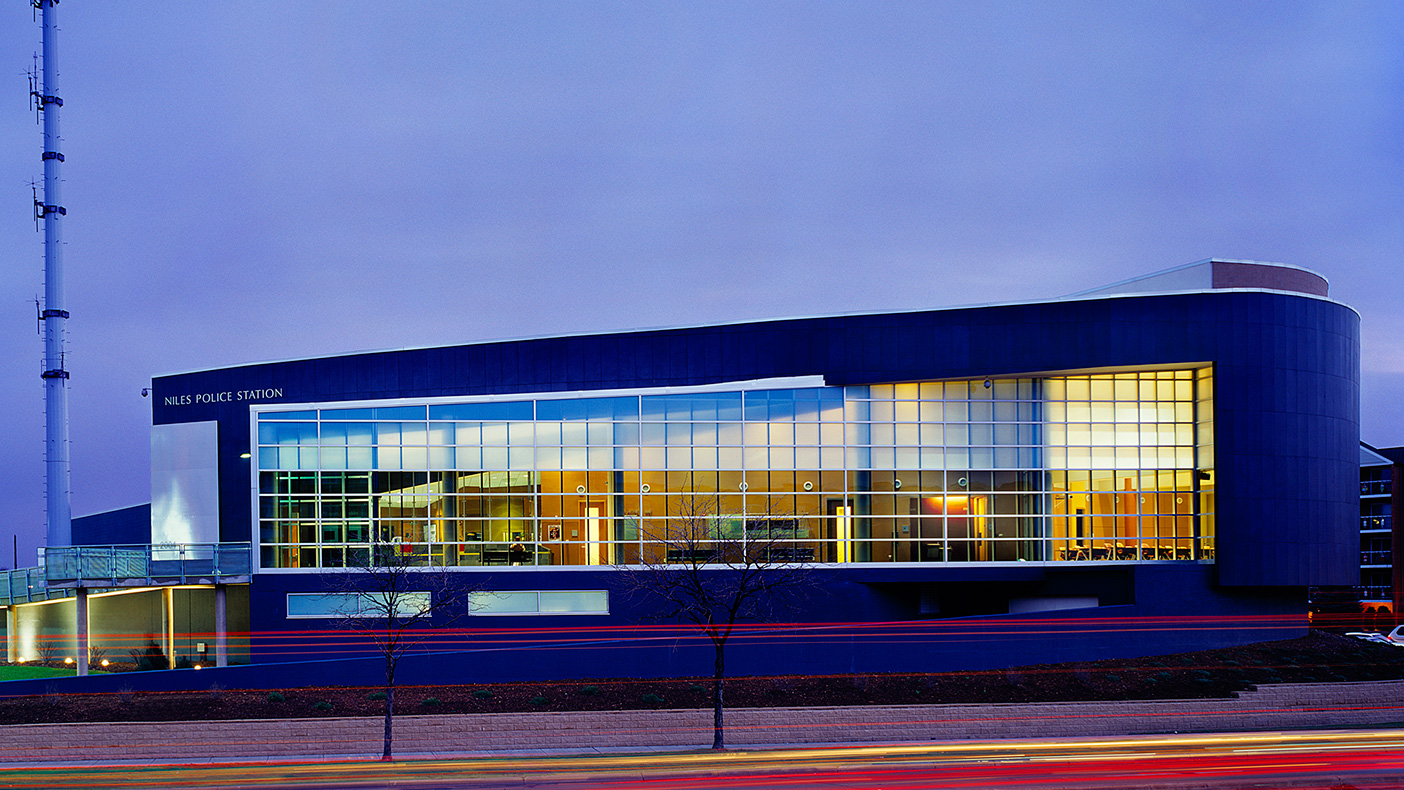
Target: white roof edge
x,y
740,321
1368,457
110,510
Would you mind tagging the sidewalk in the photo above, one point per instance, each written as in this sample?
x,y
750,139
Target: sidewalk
x,y
1276,707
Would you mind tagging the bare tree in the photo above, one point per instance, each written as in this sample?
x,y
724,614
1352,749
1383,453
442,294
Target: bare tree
x,y
712,571
395,601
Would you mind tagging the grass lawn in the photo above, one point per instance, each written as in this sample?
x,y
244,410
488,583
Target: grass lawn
x,y
14,672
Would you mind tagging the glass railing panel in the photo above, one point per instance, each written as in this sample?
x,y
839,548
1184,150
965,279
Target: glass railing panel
x,y
134,563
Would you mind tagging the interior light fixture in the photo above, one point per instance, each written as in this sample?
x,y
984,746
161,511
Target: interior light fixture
x,y
245,456
808,486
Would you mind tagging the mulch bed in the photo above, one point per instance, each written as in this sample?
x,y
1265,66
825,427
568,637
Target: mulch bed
x,y
1317,657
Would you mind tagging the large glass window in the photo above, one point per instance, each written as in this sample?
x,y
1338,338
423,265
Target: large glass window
x,y
1113,466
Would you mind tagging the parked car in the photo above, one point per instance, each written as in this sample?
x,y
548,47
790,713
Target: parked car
x,y
1370,636
1396,637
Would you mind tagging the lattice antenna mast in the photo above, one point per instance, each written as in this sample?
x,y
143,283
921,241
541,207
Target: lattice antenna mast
x,y
55,318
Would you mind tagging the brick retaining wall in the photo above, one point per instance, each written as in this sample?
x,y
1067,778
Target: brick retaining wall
x,y
1323,705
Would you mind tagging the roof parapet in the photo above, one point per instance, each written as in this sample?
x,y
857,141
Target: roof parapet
x,y
1215,274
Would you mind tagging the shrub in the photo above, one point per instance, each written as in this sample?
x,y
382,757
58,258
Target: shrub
x,y
376,695
483,694
47,650
150,658
590,691
429,702
697,688
539,701
321,705
274,696
652,699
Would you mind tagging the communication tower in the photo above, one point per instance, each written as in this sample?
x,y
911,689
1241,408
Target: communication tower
x,y
49,210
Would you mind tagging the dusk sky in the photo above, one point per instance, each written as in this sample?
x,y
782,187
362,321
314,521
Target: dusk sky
x,y
257,180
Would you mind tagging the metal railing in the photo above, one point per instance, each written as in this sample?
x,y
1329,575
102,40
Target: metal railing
x,y
1374,487
26,585
1376,557
145,564
1374,522
1384,593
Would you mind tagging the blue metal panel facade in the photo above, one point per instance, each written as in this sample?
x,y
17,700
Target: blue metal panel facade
x,y
127,525
1286,370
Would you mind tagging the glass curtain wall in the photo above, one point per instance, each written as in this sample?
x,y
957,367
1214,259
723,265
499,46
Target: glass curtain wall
x,y
1115,466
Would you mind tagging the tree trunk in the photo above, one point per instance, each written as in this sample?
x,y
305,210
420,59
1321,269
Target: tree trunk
x,y
389,709
718,740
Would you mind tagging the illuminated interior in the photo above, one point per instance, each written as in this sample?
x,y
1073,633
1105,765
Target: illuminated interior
x,y
176,622
1113,466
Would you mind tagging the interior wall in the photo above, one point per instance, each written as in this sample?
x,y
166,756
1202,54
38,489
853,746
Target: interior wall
x,y
46,631
123,626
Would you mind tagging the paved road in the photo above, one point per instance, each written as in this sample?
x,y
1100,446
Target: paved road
x,y
1363,759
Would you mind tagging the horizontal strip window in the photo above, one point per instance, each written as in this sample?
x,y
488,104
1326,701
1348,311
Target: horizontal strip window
x,y
339,605
503,603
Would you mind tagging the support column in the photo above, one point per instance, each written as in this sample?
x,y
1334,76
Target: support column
x,y
168,603
11,634
221,635
80,627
